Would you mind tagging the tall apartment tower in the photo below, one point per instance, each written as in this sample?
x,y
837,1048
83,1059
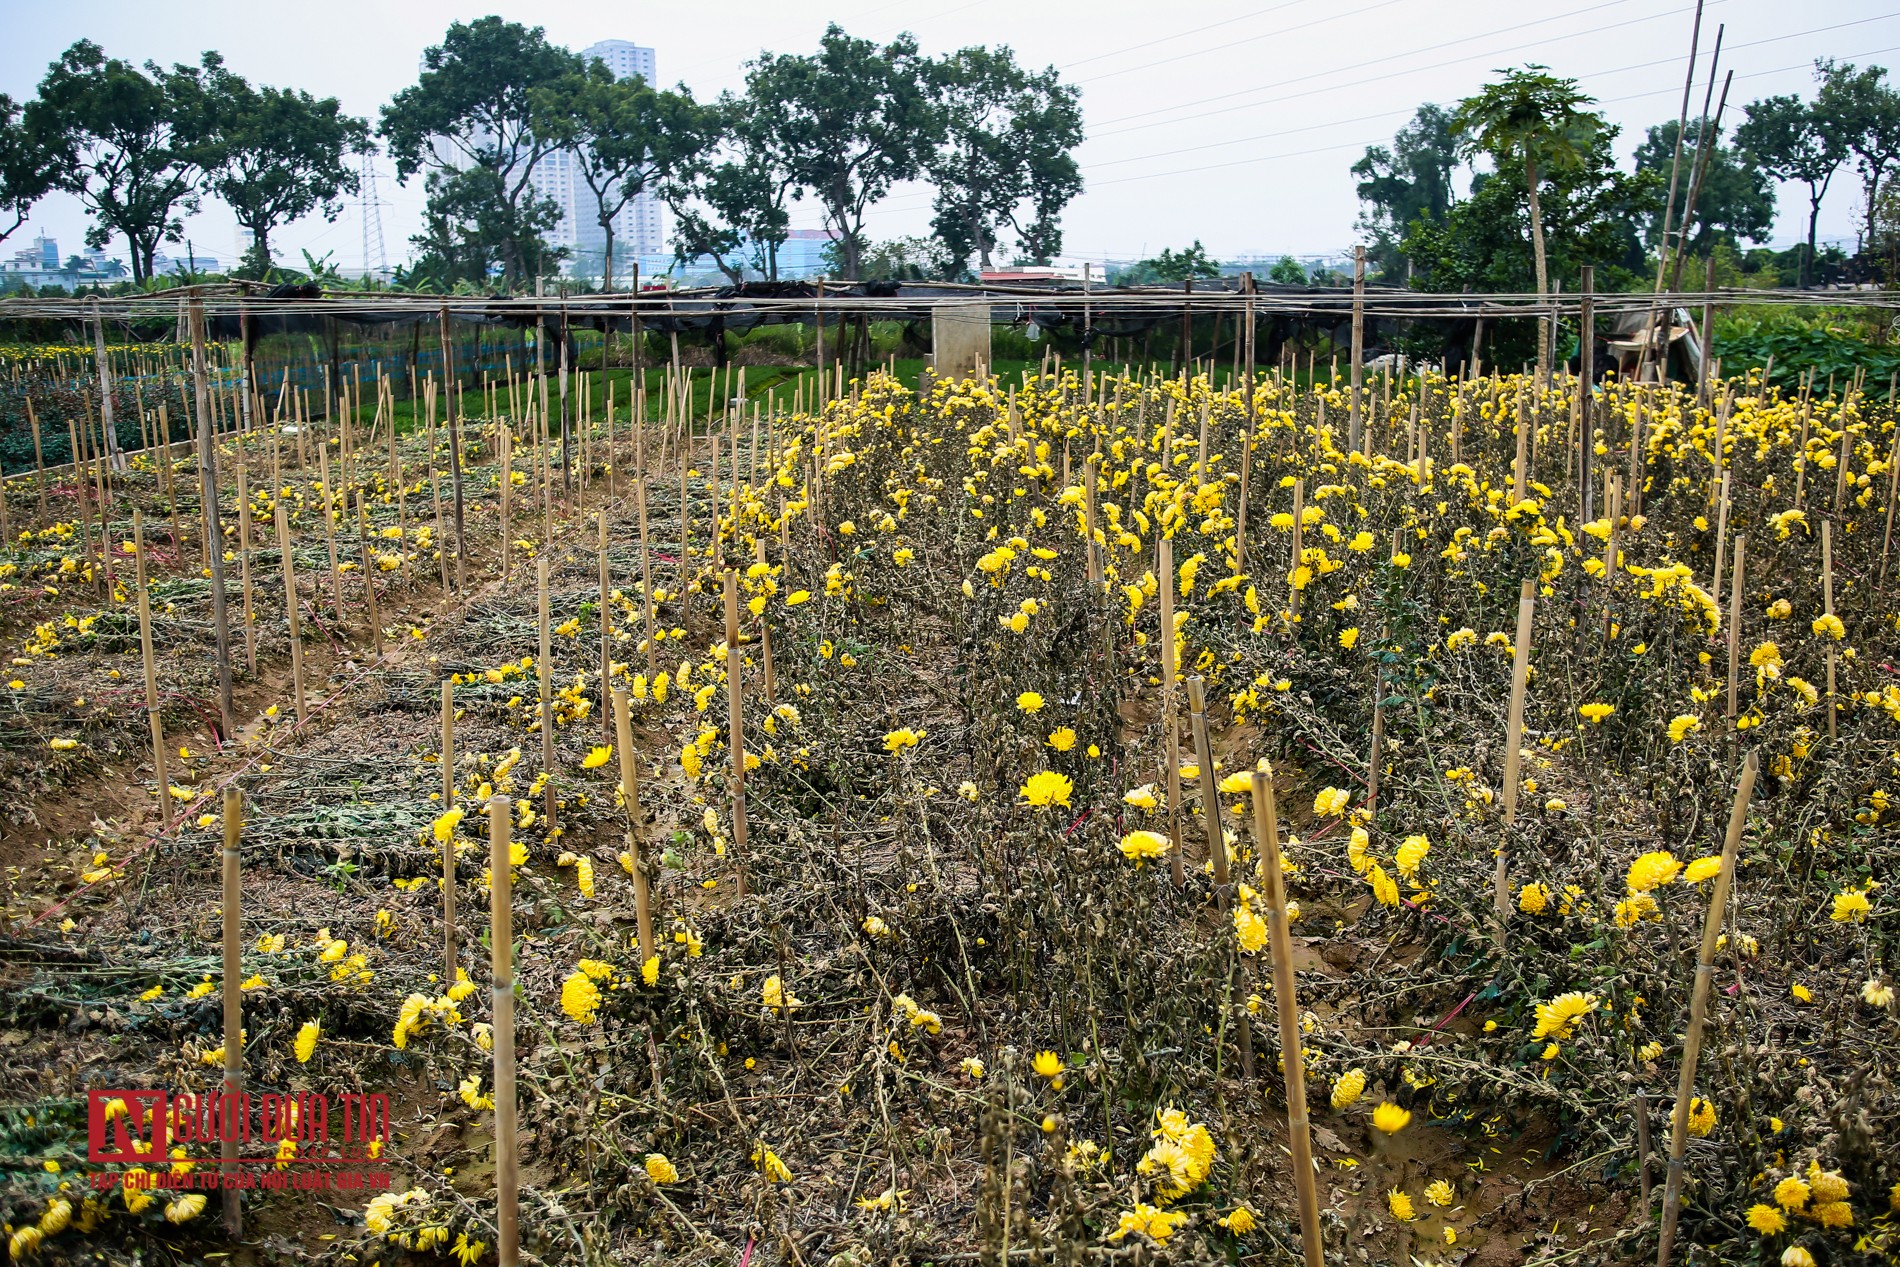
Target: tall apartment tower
x,y
637,229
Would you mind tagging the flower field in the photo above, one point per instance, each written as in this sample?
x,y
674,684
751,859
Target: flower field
x,y
981,740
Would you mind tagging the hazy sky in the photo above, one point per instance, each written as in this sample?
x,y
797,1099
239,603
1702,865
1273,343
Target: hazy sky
x,y
1233,121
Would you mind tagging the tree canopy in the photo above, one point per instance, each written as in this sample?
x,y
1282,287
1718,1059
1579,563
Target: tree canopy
x,y
1399,185
1005,158
626,138
851,121
1735,202
133,145
282,154
473,110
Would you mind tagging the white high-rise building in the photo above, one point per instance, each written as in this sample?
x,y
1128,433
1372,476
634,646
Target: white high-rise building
x,y
638,229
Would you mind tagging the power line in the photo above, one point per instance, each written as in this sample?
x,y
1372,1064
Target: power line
x,y
1261,136
1321,74
1180,35
1262,158
1251,39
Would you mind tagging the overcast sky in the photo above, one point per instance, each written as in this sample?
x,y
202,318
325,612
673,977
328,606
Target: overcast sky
x,y
1231,121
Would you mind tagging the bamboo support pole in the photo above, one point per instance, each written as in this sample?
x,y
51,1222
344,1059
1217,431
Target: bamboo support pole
x,y
329,527
1293,568
244,561
1280,942
1520,467
1210,792
606,632
1217,851
502,993
368,566
1613,503
646,570
735,695
234,1098
1735,627
765,635
455,451
1170,727
1698,1008
448,845
290,610
1721,539
630,801
1514,738
544,675
151,673
1827,607
214,537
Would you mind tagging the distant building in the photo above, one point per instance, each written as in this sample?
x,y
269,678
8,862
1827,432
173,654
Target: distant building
x,y
638,230
39,266
191,261
1037,273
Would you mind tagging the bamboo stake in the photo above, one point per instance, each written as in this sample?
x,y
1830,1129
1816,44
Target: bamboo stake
x,y
544,668
735,694
455,452
244,559
1514,737
1613,503
1299,513
1827,607
1164,572
1217,851
448,845
765,636
329,527
368,566
502,992
1520,469
290,610
151,673
214,538
233,1011
1280,941
1210,793
646,567
1735,626
1698,1008
606,633
39,455
630,801
1893,490
1721,540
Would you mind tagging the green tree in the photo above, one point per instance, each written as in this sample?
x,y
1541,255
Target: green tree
x,y
472,110
1790,140
1398,185
1171,267
1865,110
851,120
132,145
731,197
1589,212
284,154
626,136
26,168
1735,202
1005,157
1534,123
1287,271
471,233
